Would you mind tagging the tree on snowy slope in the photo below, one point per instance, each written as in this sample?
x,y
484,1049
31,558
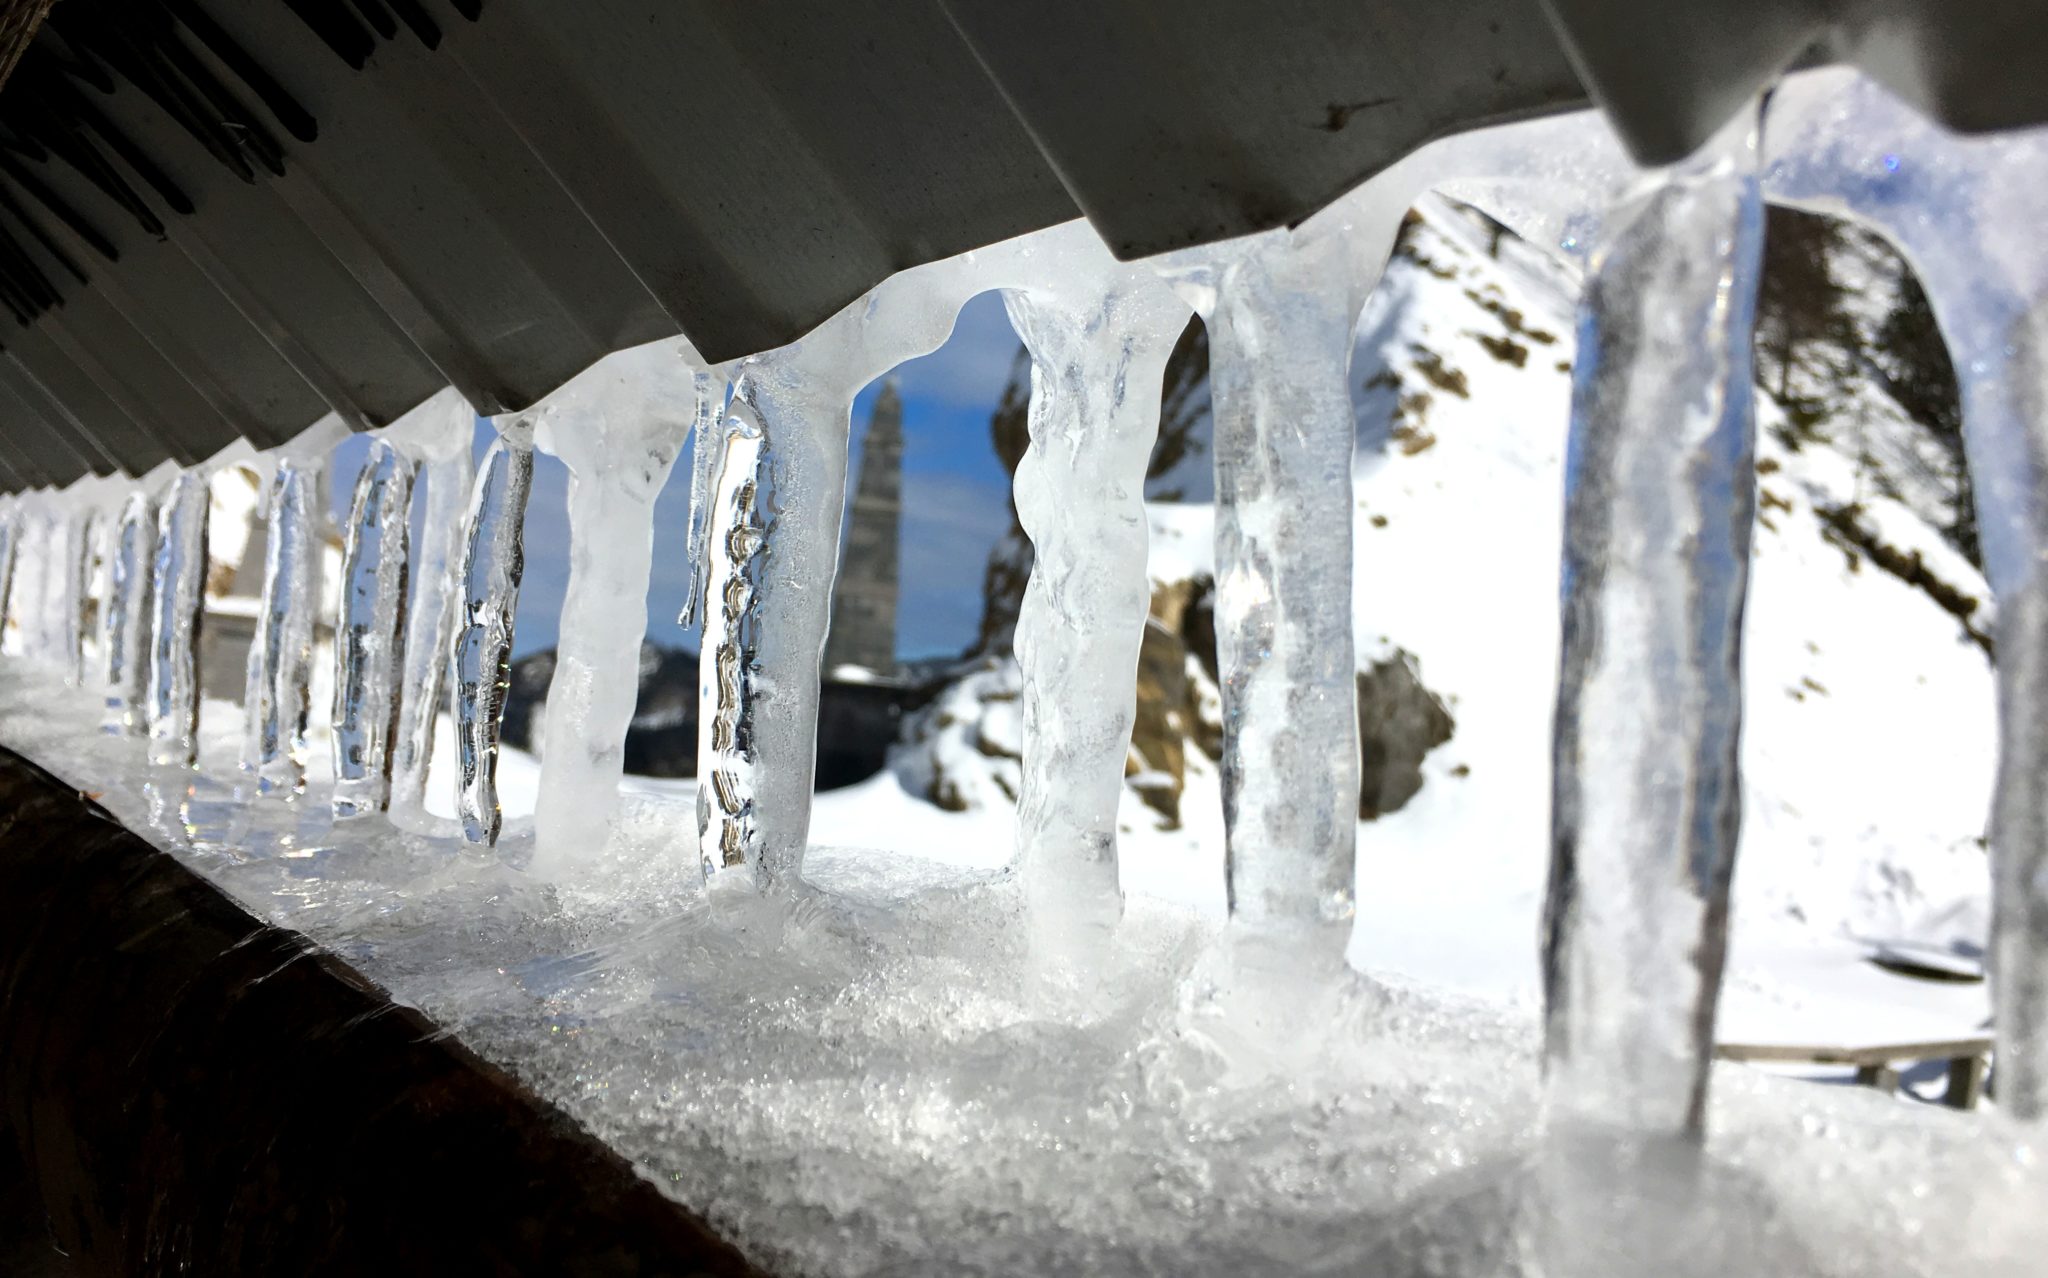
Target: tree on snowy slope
x,y
1913,366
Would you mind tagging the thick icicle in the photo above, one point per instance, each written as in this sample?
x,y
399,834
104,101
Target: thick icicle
x,y
732,528
447,430
1659,504
178,588
1281,309
618,428
125,624
779,493
1966,211
368,630
1098,347
276,699
481,655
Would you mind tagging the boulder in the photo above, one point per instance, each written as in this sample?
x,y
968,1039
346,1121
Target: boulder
x,y
1399,722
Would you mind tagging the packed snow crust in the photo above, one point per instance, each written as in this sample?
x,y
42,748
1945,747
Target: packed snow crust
x,y
882,1076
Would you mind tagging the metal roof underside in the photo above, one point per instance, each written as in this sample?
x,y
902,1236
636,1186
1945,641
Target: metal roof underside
x,y
220,219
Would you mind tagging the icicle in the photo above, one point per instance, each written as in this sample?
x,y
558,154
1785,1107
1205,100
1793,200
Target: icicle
x,y
95,581
705,462
618,428
10,543
178,585
1281,309
368,630
71,594
755,762
492,562
26,594
1965,211
126,617
276,699
445,438
1098,344
1659,504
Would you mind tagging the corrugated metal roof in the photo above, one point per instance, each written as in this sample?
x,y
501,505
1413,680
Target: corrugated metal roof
x,y
223,218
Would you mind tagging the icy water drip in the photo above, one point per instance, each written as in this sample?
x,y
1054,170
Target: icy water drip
x,y
1965,211
1098,355
127,613
368,632
178,596
481,658
439,434
1660,499
619,428
277,696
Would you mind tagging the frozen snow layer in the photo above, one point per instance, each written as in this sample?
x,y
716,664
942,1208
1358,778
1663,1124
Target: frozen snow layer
x,y
870,1079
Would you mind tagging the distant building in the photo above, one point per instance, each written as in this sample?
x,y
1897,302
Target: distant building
x,y
863,633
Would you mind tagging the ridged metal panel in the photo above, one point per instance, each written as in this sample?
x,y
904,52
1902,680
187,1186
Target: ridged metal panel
x,y
284,207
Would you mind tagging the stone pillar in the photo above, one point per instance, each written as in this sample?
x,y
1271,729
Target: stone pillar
x,y
863,629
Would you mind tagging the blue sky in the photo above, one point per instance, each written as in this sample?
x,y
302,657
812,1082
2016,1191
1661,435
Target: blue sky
x,y
955,500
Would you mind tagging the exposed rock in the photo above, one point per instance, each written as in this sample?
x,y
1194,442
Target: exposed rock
x,y
961,750
1157,763
1399,722
857,721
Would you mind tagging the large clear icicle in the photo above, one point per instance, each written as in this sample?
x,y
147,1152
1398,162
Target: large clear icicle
x,y
1659,505
1281,309
448,429
1098,355
178,590
126,620
1966,211
368,630
619,428
773,551
732,531
481,656
277,695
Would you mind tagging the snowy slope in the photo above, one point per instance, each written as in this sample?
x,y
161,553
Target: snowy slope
x,y
1868,741
1868,720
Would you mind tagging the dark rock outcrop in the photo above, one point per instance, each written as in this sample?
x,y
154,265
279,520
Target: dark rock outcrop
x,y
857,721
1399,722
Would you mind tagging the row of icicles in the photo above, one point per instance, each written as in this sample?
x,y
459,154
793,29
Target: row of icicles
x,y
1659,507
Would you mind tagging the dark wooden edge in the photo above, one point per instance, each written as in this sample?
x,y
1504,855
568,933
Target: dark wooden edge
x,y
1873,1054
193,1091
